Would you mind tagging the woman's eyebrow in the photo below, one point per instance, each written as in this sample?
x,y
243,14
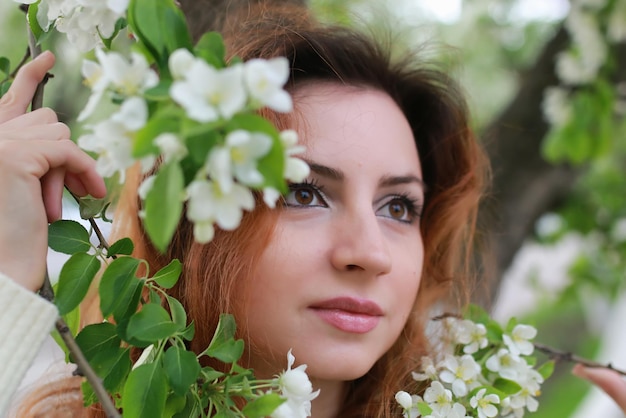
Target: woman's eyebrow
x,y
391,180
325,171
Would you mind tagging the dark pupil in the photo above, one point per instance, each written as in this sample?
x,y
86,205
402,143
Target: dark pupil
x,y
304,197
397,209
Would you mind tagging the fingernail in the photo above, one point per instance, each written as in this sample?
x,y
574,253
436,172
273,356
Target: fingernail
x,y
43,54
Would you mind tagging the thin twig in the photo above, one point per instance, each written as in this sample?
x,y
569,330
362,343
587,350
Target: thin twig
x,y
23,61
46,290
560,355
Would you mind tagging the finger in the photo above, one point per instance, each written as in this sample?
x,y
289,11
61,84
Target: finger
x,y
42,116
16,101
52,193
54,131
36,158
608,380
75,185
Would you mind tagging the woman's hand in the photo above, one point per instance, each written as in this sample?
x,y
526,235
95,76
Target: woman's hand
x,y
608,380
36,159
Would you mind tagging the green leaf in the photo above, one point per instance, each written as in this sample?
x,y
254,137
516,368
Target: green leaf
x,y
168,276
90,207
189,332
95,338
164,120
179,315
123,246
199,143
74,280
223,346
174,405
210,47
119,25
263,405
4,87
424,408
159,92
161,27
152,323
31,17
182,369
546,369
113,367
120,289
145,392
164,205
5,66
506,386
68,237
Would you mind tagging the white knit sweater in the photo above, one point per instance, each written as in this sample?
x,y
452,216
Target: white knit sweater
x,y
25,321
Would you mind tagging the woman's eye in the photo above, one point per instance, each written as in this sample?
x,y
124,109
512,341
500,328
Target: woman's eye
x,y
401,209
304,195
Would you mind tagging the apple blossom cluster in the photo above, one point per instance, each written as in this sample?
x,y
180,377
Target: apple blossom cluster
x,y
487,373
592,30
221,189
294,386
84,22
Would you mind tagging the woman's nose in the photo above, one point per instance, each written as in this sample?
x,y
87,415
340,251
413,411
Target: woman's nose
x,y
360,244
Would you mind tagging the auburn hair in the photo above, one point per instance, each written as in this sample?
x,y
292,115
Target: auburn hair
x,y
454,169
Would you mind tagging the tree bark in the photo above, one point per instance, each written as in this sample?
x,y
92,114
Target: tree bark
x,y
524,185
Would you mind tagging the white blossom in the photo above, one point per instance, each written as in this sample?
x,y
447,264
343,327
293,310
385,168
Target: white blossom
x,y
84,21
616,30
111,138
484,405
179,62
438,398
265,80
582,66
238,157
404,399
207,93
470,334
295,386
428,370
145,187
505,364
460,374
113,71
171,146
519,340
270,196
295,170
457,411
209,204
556,106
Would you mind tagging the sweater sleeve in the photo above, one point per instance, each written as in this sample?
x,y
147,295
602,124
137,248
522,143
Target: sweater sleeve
x,y
25,321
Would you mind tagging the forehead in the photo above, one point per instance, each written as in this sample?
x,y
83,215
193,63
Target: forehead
x,y
363,122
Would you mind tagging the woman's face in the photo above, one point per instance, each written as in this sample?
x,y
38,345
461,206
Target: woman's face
x,y
339,278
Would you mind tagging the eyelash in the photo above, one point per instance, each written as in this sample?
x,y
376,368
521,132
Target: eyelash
x,y
412,205
313,186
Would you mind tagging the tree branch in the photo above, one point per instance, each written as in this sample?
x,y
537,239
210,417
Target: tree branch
x,y
560,355
46,290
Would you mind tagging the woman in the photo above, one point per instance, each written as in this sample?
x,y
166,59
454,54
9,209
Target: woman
x,y
345,271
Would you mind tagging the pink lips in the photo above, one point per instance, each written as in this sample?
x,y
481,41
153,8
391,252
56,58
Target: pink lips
x,y
348,314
